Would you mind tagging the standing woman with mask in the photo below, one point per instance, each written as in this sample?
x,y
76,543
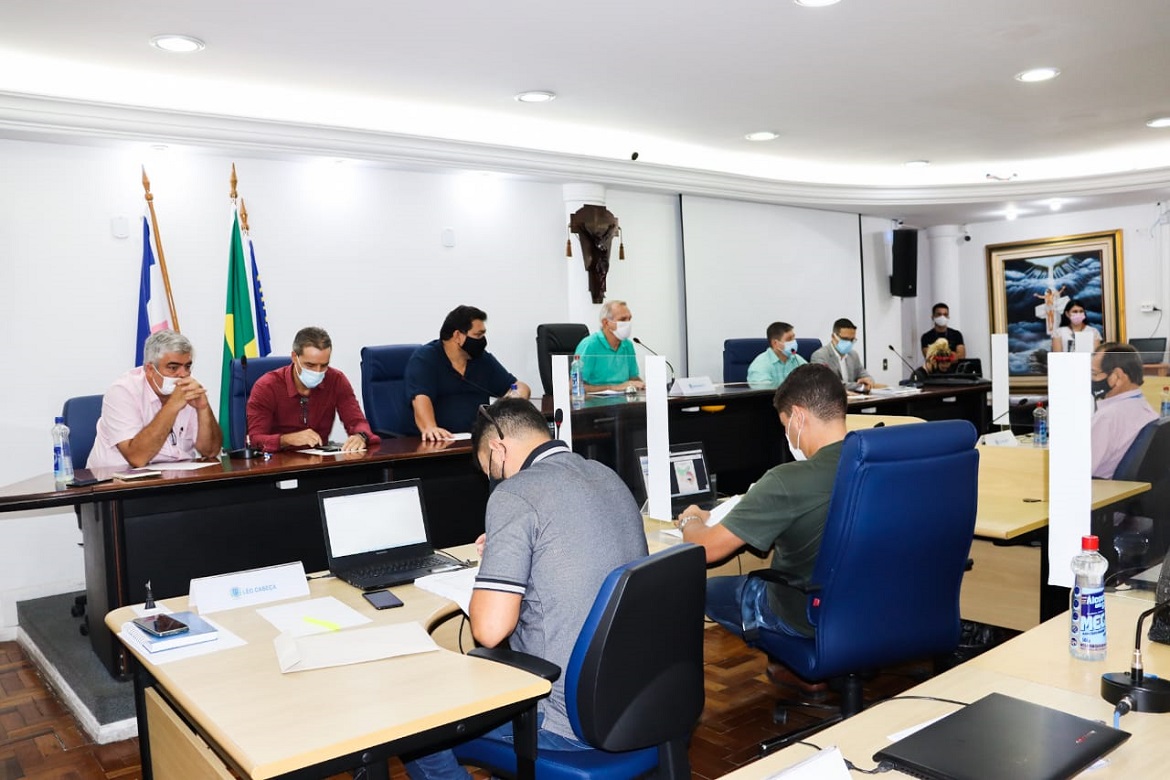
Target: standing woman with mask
x,y
1072,322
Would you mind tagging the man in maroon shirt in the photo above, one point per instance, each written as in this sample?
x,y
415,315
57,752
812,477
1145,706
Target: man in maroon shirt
x,y
293,407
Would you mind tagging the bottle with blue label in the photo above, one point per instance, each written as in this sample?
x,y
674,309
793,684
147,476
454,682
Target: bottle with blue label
x,y
1166,401
1086,636
1040,423
576,380
62,454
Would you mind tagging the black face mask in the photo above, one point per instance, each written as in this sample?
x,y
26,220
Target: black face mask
x,y
474,347
1100,387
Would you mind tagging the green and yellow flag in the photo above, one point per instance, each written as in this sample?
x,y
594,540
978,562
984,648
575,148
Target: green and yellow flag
x,y
239,334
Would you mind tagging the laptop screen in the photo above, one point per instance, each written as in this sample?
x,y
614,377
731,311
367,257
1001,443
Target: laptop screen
x,y
688,471
1152,350
370,518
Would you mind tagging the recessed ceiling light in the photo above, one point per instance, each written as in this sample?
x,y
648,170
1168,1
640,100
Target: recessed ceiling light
x,y
1038,74
762,135
1055,204
1011,212
536,96
816,3
1162,121
917,163
177,44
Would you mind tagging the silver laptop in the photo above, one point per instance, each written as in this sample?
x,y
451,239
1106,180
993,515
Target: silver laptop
x,y
376,536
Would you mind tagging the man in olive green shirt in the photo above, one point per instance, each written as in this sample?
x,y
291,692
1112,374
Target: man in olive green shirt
x,y
785,511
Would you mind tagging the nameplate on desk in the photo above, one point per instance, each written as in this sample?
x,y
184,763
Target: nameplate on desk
x,y
693,385
999,439
248,588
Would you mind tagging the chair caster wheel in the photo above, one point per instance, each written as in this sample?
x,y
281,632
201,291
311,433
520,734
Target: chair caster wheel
x,y
84,629
77,610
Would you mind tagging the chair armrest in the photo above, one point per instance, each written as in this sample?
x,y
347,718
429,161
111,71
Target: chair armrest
x,y
528,663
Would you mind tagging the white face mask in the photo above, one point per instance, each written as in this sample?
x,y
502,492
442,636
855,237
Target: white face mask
x,y
167,384
797,454
623,330
310,379
941,321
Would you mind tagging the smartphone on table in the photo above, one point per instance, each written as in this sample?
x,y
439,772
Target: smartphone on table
x,y
382,599
161,625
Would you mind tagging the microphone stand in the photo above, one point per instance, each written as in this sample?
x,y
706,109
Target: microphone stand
x,y
673,373
1133,690
911,382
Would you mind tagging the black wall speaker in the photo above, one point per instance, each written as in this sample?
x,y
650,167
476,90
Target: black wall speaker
x,y
904,281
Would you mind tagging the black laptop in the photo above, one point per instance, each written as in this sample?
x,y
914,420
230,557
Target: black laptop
x,y
376,536
1151,350
690,482
1003,737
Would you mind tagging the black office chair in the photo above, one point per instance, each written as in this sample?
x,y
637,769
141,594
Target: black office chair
x,y
1136,536
634,683
556,338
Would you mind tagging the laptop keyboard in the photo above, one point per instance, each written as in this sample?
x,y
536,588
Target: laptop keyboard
x,y
375,571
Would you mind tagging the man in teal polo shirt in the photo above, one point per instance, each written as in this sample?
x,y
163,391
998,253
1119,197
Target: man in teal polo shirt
x,y
772,366
607,356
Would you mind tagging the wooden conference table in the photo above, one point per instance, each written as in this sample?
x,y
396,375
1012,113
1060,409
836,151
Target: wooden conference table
x,y
1035,666
234,710
238,514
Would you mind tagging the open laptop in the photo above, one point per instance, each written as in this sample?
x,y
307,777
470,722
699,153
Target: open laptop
x,y
690,482
1151,350
1000,736
376,536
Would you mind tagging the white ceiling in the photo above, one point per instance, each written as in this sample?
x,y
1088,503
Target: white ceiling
x,y
854,90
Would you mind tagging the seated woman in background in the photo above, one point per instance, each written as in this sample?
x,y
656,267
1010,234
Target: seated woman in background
x,y
1071,323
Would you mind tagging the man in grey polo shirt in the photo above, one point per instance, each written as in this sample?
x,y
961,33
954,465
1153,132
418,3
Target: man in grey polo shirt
x,y
556,526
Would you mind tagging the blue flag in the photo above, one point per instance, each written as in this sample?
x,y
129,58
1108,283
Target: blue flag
x,y
153,312
263,337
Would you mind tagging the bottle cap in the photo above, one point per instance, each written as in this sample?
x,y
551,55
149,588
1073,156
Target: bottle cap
x,y
1089,543
59,421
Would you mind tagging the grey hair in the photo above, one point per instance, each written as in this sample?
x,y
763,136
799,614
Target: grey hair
x,y
608,307
164,341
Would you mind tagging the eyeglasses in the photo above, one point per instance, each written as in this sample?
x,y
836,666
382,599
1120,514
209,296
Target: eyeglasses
x,y
304,410
483,409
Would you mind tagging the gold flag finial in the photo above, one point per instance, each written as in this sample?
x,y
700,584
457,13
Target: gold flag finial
x,y
243,216
146,185
234,181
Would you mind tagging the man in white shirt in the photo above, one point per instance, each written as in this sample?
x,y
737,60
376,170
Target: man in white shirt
x,y
1122,410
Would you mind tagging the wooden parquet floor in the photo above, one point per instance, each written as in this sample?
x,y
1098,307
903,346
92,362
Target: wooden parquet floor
x,y
39,739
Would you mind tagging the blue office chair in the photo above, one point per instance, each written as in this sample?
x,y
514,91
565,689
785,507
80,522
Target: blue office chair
x,y
885,588
806,347
240,385
634,683
81,415
384,389
738,354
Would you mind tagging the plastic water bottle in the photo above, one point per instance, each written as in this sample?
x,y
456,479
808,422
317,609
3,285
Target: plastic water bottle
x,y
62,455
1086,633
1040,426
576,382
513,391
1166,401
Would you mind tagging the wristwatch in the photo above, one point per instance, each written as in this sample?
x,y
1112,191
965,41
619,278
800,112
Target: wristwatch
x,y
365,438
682,521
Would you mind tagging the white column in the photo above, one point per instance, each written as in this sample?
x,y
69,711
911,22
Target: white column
x,y
578,304
944,270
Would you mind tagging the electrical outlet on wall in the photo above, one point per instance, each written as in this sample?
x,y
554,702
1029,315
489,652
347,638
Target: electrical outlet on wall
x,y
1147,307
885,364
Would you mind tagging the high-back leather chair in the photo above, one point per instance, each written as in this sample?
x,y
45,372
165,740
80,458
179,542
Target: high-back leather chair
x,y
1136,536
634,682
738,355
240,386
806,347
885,588
556,338
384,389
81,414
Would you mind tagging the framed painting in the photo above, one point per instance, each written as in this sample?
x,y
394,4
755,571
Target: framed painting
x,y
1032,284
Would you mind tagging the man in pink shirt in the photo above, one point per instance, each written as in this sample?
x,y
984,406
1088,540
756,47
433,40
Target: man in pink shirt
x,y
158,412
293,407
1122,410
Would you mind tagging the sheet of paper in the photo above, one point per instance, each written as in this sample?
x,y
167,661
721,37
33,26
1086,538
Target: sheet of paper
x,y
356,646
1070,485
185,465
892,391
318,451
453,585
606,392
315,616
827,764
717,514
225,641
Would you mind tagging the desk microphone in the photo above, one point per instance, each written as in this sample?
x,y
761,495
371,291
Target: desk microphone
x,y
246,452
1145,693
911,382
558,418
673,374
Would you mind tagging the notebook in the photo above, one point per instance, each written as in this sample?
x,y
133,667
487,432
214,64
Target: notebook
x,y
690,482
1000,736
1151,350
376,536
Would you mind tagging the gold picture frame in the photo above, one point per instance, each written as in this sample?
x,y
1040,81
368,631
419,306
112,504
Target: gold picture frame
x,y
1030,283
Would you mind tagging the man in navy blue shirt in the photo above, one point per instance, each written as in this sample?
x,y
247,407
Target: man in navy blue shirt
x,y
448,379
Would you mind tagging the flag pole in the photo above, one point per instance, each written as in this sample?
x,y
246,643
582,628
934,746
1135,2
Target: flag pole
x,y
162,263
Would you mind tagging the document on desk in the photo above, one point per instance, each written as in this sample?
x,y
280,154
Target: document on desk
x,y
356,646
453,585
330,451
717,514
314,616
185,465
827,764
892,391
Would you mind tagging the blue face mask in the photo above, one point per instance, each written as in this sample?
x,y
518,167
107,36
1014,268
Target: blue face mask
x,y
310,379
844,345
789,347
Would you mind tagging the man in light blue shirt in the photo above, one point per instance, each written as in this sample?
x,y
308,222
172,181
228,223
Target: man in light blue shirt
x,y
607,356
772,366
